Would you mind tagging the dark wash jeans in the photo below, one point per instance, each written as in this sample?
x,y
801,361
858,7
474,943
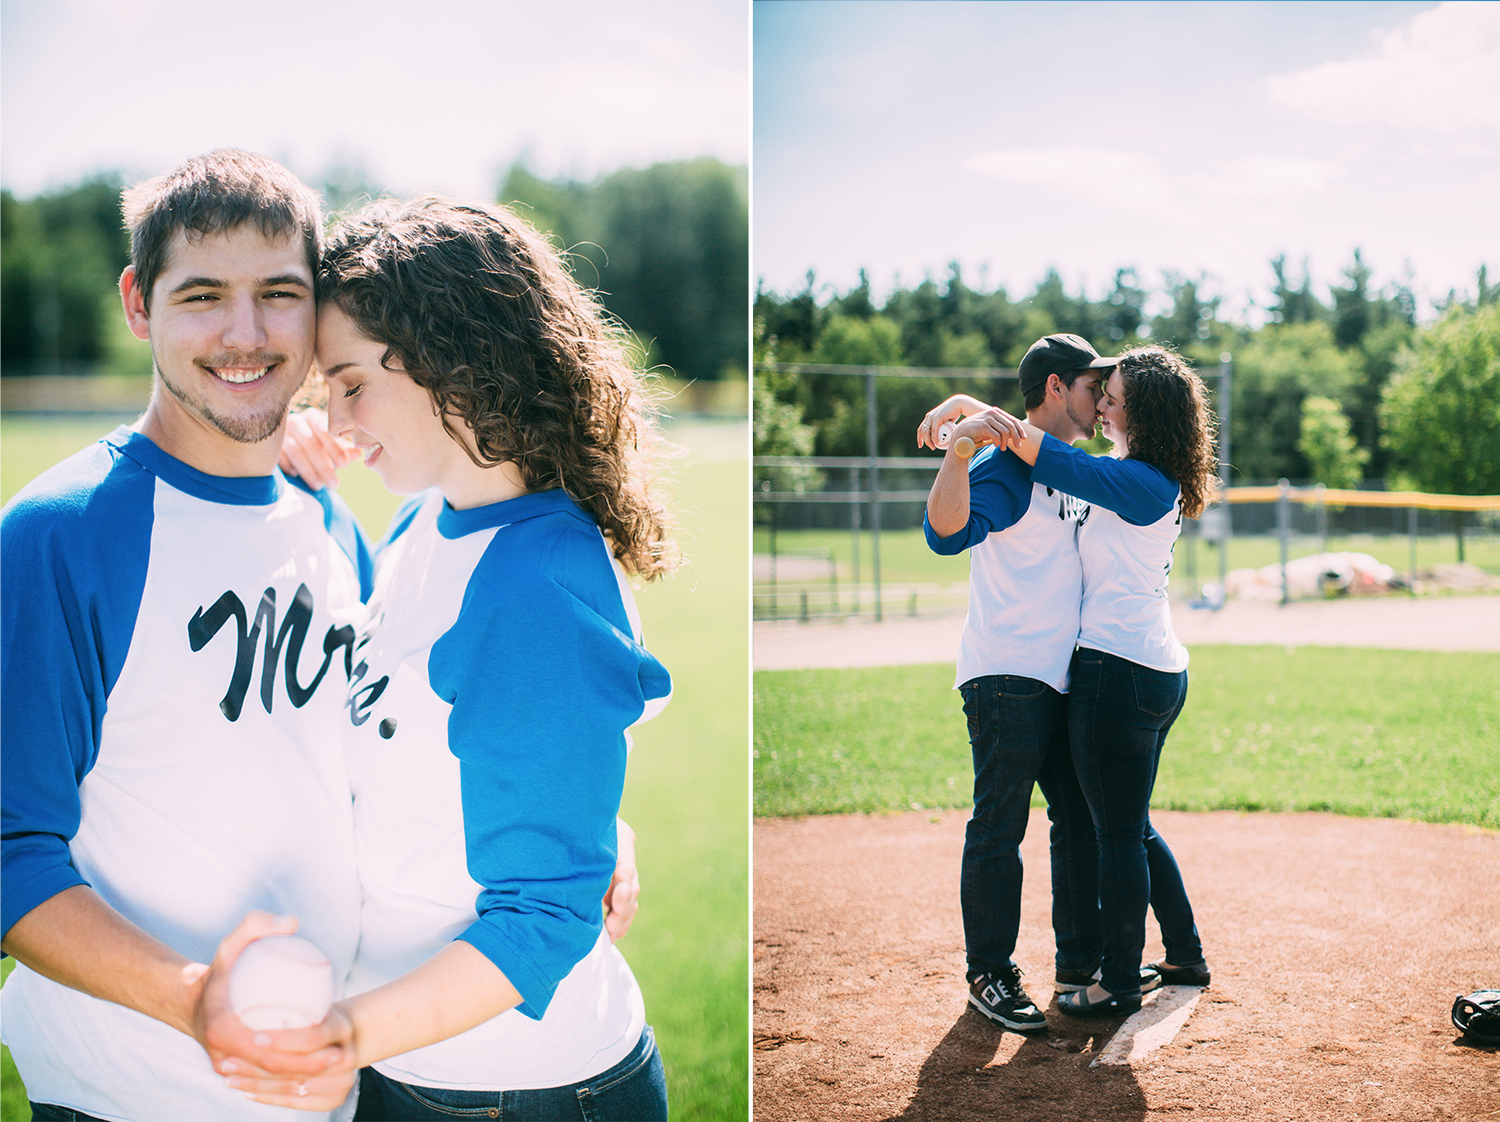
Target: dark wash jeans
x,y
1019,737
46,1112
634,1090
1119,713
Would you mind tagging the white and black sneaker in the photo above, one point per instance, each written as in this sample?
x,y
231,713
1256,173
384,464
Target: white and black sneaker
x,y
1001,998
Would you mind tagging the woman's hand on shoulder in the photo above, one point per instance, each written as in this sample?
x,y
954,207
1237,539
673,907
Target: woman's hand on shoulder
x,y
310,451
993,426
959,405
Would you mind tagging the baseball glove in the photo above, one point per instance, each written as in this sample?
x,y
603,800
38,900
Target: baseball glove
x,y
1477,1015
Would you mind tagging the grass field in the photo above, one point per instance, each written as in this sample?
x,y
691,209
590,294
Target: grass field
x,y
905,558
687,792
1360,732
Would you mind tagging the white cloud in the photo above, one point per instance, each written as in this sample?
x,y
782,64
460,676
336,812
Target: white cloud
x,y
1259,177
1440,72
1129,180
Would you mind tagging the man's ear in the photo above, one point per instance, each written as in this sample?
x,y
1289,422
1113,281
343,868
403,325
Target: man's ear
x,y
1055,386
132,297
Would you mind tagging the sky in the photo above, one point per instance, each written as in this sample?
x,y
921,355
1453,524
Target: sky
x,y
422,95
1201,139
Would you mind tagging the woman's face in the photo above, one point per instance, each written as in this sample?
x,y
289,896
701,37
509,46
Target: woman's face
x,y
1111,410
384,413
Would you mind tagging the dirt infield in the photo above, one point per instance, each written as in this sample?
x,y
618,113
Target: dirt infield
x,y
1337,945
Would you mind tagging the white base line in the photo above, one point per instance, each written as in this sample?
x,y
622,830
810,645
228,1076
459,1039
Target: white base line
x,y
1163,1013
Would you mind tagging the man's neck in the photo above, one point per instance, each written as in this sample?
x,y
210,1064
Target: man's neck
x,y
187,438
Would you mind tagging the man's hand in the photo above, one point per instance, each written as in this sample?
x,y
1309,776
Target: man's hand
x,y
310,451
624,894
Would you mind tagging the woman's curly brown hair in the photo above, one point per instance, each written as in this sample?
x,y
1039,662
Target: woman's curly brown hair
x,y
483,315
1168,424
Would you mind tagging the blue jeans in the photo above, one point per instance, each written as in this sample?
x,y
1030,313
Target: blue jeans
x,y
1119,713
46,1112
1018,735
634,1090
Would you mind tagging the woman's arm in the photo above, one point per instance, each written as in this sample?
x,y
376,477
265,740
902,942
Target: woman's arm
x,y
450,993
1136,491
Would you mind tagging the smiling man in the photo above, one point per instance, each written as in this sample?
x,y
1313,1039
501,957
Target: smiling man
x,y
179,622
1025,587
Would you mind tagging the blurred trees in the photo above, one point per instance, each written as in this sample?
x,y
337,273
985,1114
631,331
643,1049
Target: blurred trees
x,y
667,245
1336,460
1308,384
668,249
1441,409
59,274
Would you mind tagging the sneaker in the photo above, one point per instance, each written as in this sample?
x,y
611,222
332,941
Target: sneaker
x,y
1160,974
1071,981
1001,998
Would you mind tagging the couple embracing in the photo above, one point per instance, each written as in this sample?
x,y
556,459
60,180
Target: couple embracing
x,y
225,716
1069,670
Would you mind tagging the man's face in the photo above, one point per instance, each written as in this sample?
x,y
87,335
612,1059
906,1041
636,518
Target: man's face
x,y
231,329
1081,400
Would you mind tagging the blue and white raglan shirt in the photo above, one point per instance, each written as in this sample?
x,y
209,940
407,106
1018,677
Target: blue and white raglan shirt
x,y
1126,547
176,650
486,744
1024,575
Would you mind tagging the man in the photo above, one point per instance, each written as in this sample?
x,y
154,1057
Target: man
x,y
178,629
1025,585
179,624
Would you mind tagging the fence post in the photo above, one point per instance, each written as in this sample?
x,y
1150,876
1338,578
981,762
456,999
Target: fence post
x,y
1411,531
1226,371
1322,519
854,504
873,436
1283,528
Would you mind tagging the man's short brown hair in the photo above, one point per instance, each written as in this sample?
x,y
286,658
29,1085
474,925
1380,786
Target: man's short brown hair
x,y
213,194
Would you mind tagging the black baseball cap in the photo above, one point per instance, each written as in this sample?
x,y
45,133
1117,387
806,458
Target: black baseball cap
x,y
1058,354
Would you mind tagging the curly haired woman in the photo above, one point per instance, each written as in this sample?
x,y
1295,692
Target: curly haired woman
x,y
1128,680
502,666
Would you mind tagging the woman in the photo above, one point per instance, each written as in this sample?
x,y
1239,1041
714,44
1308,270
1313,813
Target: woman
x,y
500,669
1129,673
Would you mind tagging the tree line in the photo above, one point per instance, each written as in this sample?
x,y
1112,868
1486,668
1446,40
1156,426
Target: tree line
x,y
1334,389
666,246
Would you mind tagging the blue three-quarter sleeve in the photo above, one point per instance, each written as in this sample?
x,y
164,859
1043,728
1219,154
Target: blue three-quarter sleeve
x,y
544,677
1136,491
75,554
999,495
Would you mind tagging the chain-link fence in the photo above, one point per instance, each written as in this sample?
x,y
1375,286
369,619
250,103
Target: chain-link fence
x,y
842,536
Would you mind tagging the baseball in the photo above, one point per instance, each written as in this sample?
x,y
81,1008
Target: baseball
x,y
945,433
281,982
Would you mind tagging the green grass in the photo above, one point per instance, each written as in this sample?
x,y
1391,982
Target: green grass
x,y
687,792
13,1106
905,558
1368,733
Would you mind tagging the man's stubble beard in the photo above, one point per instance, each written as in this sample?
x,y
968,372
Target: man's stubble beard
x,y
250,430
1089,431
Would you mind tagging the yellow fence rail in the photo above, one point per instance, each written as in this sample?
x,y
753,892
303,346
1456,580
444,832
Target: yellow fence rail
x,y
1336,497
